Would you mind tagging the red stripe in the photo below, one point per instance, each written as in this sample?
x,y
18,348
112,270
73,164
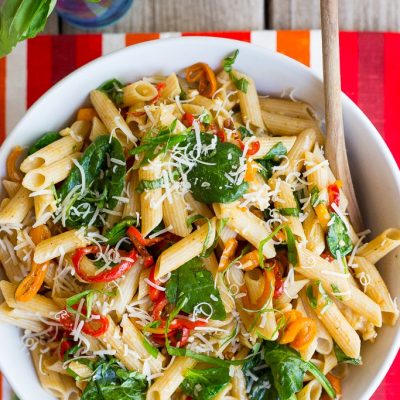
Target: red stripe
x,y
39,67
243,36
349,63
88,47
64,56
391,92
3,81
370,81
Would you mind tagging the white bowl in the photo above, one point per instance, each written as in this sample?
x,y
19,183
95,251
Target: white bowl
x,y
374,170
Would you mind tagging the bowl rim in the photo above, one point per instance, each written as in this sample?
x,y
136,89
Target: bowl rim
x,y
346,103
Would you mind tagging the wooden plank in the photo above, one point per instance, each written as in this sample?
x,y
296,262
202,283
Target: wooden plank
x,y
187,15
362,15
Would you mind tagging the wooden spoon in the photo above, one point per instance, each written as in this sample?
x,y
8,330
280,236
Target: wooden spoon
x,y
335,147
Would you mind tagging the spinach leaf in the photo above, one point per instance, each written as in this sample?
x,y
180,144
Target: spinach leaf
x,y
22,19
245,132
288,369
315,196
193,281
338,238
291,245
208,178
103,183
241,84
114,90
272,159
342,358
111,382
289,212
149,185
43,141
205,384
263,388
118,231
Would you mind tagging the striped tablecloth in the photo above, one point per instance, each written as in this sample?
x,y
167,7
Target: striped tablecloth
x,y
370,64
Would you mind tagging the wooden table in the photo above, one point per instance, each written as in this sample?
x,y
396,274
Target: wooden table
x,y
223,15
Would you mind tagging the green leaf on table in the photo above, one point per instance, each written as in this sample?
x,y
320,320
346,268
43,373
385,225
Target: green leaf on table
x,y
22,19
205,384
192,281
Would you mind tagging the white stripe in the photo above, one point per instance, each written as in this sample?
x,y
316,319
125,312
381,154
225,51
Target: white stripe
x,y
316,51
16,85
166,35
112,42
266,39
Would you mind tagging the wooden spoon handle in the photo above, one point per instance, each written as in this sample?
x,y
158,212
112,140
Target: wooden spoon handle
x,y
335,147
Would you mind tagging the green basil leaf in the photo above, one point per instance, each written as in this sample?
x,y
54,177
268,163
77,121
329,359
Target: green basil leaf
x,y
229,61
114,89
88,296
149,185
342,358
43,141
336,291
207,178
111,381
262,243
192,281
245,132
118,231
291,245
315,196
152,350
205,384
289,212
338,238
22,19
276,152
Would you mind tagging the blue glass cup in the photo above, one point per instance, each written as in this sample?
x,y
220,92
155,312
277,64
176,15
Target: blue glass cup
x,y
91,14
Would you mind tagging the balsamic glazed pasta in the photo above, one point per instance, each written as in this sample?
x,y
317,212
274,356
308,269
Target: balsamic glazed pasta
x,y
185,238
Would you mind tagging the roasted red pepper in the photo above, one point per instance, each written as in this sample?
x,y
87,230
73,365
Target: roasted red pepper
x,y
65,345
334,194
140,243
327,256
159,306
107,276
253,147
187,119
154,293
278,272
93,327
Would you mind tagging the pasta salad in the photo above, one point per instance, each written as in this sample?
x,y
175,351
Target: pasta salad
x,y
185,238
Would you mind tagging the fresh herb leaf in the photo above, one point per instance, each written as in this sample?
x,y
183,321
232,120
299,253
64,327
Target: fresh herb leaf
x,y
315,196
263,388
205,384
338,239
43,141
208,178
103,186
118,231
145,184
288,369
112,382
229,61
336,291
152,350
342,358
312,299
196,284
291,245
245,132
22,19
114,89
272,159
312,295
263,242
241,84
289,212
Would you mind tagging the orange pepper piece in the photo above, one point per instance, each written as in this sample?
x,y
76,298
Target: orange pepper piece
x,y
229,250
204,75
251,170
250,260
13,171
323,215
32,283
86,114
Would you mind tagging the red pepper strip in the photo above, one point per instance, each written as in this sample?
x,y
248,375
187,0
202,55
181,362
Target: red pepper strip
x,y
139,242
159,306
94,327
333,193
132,231
154,293
278,270
221,134
160,86
107,276
187,119
327,256
253,148
184,338
65,345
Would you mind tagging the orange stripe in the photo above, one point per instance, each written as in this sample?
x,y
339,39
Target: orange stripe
x,y
133,38
295,44
2,98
